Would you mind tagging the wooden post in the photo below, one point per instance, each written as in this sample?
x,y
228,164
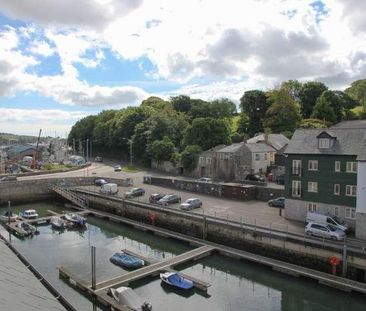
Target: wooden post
x,y
93,268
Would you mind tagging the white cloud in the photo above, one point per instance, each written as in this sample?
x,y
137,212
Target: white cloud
x,y
41,48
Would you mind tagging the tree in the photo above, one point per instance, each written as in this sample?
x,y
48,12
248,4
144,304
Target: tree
x,y
357,91
189,157
324,111
156,103
254,104
207,133
293,87
181,103
309,93
284,113
162,150
313,124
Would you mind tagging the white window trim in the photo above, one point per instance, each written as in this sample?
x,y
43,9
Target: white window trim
x,y
311,166
351,167
339,189
311,187
337,166
312,207
324,143
336,211
351,190
296,188
350,213
296,167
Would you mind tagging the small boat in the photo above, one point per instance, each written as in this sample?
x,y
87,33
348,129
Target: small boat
x,y
75,219
57,222
26,228
127,297
126,261
9,215
174,279
29,214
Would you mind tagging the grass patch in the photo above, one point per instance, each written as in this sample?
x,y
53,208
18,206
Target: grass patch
x,y
130,169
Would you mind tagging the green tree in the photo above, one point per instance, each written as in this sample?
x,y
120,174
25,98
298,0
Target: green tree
x,y
181,103
162,150
324,111
357,91
207,133
189,157
313,124
293,87
254,104
284,113
309,93
156,103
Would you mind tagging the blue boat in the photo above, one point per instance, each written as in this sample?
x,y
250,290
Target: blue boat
x,y
126,261
174,279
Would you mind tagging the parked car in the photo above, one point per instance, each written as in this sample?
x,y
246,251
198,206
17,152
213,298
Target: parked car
x,y
191,204
8,178
205,180
169,199
326,219
109,188
277,202
135,192
117,168
324,231
155,197
255,177
98,159
100,182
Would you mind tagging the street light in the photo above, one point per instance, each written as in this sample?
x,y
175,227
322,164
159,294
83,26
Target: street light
x,y
130,142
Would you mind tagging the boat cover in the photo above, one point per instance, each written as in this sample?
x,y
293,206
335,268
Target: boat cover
x,y
125,260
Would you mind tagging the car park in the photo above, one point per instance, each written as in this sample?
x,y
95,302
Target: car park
x,y
135,192
277,202
324,231
8,178
155,197
255,177
169,199
100,182
117,168
326,219
205,180
109,188
191,204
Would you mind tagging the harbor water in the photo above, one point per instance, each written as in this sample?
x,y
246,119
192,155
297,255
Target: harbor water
x,y
235,285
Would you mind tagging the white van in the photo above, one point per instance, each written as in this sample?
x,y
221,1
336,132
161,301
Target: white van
x,y
324,219
109,188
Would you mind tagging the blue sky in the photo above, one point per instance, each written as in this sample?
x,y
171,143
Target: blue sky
x,y
57,65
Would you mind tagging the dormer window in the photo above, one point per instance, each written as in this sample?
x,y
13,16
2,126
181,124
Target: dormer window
x,y
324,143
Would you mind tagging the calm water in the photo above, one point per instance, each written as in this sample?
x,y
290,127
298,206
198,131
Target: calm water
x,y
236,285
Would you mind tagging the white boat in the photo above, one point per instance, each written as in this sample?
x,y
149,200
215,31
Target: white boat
x,y
75,219
29,214
175,279
26,228
9,215
127,297
57,223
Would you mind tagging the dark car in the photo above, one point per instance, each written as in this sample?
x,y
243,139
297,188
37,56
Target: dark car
x,y
255,177
135,192
100,182
169,199
277,202
155,197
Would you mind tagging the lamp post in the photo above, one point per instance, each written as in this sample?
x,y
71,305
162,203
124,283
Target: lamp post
x,y
130,143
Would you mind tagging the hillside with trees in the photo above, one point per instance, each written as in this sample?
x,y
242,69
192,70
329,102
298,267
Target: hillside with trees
x,y
178,129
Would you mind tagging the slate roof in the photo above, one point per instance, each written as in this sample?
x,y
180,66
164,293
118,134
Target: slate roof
x,y
361,124
260,147
19,289
231,148
347,141
13,150
277,141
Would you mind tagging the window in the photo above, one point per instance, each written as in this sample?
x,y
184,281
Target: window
x,y
202,161
312,207
336,211
337,189
351,190
313,165
350,212
296,167
296,188
324,143
208,161
312,186
351,167
257,156
265,157
337,166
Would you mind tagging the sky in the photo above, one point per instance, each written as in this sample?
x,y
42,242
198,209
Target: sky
x,y
63,60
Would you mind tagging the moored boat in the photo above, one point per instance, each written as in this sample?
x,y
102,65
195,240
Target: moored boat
x,y
29,214
126,261
26,228
174,279
57,222
127,297
75,219
9,215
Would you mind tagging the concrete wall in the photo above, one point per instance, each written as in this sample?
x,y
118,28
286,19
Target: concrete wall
x,y
360,231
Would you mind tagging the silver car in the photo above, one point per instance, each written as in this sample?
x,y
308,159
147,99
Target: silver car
x,y
324,231
191,204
